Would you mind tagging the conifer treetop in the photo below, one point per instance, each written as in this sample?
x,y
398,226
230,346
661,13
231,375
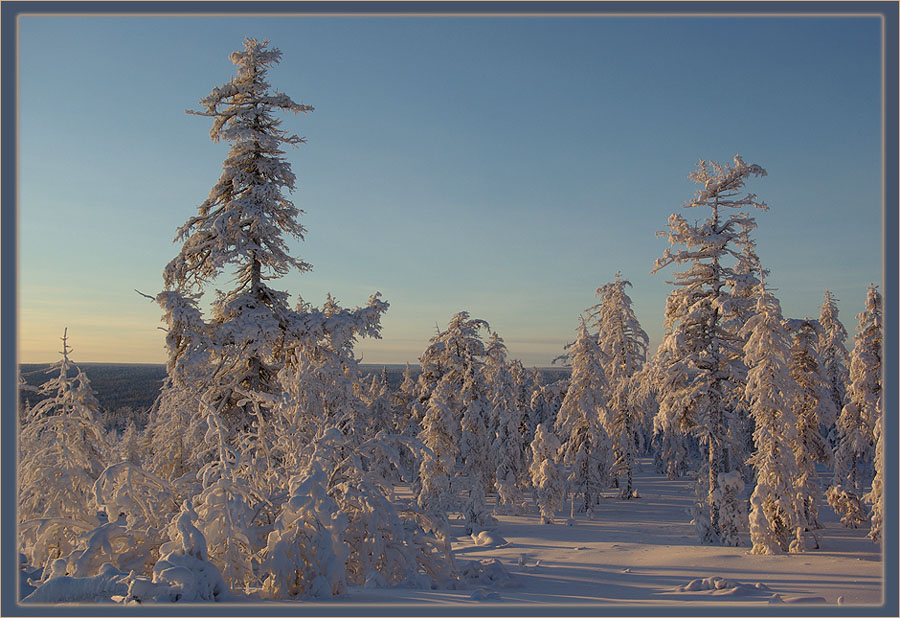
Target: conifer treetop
x,y
713,239
722,184
246,216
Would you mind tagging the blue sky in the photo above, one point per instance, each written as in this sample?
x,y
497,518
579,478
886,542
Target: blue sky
x,y
503,166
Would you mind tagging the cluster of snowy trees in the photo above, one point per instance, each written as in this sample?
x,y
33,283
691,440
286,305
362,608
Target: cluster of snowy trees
x,y
266,463
737,385
269,464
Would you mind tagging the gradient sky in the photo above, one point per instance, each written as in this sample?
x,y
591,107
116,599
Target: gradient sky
x,y
503,166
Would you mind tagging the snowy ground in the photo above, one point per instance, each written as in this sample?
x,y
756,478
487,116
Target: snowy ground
x,y
637,552
645,551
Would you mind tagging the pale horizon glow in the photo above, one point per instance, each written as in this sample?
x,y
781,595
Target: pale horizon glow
x,y
507,167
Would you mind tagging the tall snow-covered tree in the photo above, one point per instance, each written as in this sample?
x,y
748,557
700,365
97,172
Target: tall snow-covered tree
x,y
776,514
623,344
581,422
405,422
248,388
507,447
229,364
703,371
474,450
866,381
861,413
494,360
242,226
440,435
451,389
812,405
833,355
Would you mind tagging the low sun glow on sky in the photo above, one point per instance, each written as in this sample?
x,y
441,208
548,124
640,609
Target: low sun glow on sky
x,y
503,166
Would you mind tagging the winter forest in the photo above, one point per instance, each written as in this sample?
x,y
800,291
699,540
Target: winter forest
x,y
271,468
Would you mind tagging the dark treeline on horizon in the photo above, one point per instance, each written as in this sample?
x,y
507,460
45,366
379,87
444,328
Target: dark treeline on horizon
x,y
136,385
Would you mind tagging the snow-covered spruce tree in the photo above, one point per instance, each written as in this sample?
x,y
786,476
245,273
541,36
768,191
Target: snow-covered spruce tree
x,y
494,359
546,477
865,362
670,442
581,423
776,514
525,384
703,365
474,451
380,423
812,403
876,496
241,225
833,355
507,447
845,493
404,423
130,445
440,435
623,344
445,365
861,412
377,398
62,451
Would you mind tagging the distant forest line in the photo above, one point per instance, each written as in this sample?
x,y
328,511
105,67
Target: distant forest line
x,y
136,385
